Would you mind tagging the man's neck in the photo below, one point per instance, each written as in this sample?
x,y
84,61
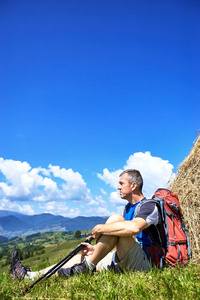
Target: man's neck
x,y
136,198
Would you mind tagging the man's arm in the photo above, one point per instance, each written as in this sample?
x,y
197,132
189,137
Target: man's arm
x,y
123,228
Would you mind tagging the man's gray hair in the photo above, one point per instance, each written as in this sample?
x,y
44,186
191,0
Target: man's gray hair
x,y
134,176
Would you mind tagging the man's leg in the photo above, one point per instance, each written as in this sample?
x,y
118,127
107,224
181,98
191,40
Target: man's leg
x,y
107,242
122,245
129,254
17,270
104,246
74,260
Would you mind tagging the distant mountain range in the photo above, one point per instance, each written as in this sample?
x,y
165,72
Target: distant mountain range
x,y
16,224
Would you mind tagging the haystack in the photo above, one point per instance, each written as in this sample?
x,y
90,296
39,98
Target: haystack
x,y
187,186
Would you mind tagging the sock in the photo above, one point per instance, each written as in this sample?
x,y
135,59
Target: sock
x,y
90,265
31,275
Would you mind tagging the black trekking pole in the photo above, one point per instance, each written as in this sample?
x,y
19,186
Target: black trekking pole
x,y
55,268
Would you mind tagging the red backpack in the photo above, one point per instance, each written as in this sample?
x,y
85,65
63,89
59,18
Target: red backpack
x,y
173,244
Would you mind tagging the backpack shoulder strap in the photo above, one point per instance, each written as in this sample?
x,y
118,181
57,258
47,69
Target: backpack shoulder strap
x,y
159,202
156,241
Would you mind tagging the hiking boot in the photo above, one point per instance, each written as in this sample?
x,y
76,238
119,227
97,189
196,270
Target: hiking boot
x,y
77,269
17,270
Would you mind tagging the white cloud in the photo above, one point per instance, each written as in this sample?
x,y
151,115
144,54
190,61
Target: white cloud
x,y
156,172
73,212
74,187
57,190
19,180
116,199
92,203
26,209
120,209
103,192
102,211
24,183
110,177
60,208
99,200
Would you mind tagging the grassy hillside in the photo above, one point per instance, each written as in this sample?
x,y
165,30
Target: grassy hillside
x,y
169,283
39,248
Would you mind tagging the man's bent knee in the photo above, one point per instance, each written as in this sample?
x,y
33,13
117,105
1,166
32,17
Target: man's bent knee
x,y
115,218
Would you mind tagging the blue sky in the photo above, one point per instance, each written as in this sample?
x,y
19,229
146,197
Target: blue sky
x,y
88,89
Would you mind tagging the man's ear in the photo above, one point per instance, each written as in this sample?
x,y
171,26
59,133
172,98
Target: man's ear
x,y
133,186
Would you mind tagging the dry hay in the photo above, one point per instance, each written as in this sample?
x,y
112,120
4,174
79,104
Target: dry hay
x,y
187,186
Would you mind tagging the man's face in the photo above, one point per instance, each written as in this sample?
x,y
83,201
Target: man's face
x,y
125,187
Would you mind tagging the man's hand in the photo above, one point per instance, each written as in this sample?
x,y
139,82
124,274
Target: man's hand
x,y
97,231
87,250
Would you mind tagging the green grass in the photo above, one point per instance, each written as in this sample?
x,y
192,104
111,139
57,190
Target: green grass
x,y
55,246
169,283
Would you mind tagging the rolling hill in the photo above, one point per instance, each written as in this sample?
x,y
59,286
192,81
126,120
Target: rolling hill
x,y
14,224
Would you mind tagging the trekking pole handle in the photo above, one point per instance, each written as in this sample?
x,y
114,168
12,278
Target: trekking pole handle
x,y
89,239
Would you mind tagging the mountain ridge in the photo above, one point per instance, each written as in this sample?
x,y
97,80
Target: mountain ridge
x,y
12,223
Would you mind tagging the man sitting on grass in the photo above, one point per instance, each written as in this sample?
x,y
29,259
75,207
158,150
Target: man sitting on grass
x,y
125,233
